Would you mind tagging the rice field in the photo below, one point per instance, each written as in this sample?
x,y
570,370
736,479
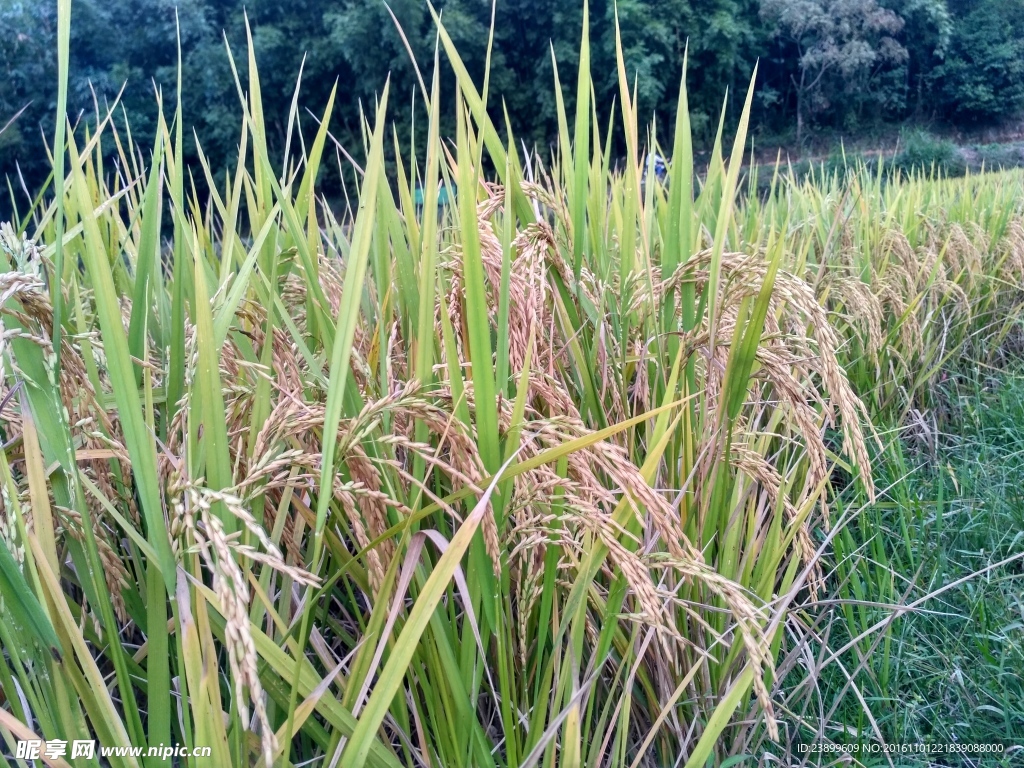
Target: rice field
x,y
596,447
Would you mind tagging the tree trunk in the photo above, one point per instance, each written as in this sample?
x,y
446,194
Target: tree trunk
x,y
800,114
800,87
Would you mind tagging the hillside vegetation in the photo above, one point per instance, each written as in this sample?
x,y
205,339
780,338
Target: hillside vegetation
x,y
579,469
829,71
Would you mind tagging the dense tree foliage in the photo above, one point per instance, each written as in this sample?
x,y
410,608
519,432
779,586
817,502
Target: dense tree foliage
x,y
842,46
982,76
841,65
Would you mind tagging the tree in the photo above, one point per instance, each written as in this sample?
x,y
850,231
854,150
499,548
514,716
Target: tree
x,y
840,45
823,61
101,63
926,35
27,58
982,77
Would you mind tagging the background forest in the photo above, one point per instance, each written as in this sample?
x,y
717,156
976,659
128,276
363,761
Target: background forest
x,y
830,70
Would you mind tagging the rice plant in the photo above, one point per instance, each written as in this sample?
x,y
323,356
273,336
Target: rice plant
x,y
580,433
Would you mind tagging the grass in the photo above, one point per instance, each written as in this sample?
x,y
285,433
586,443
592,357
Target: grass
x,y
595,448
949,525
984,524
